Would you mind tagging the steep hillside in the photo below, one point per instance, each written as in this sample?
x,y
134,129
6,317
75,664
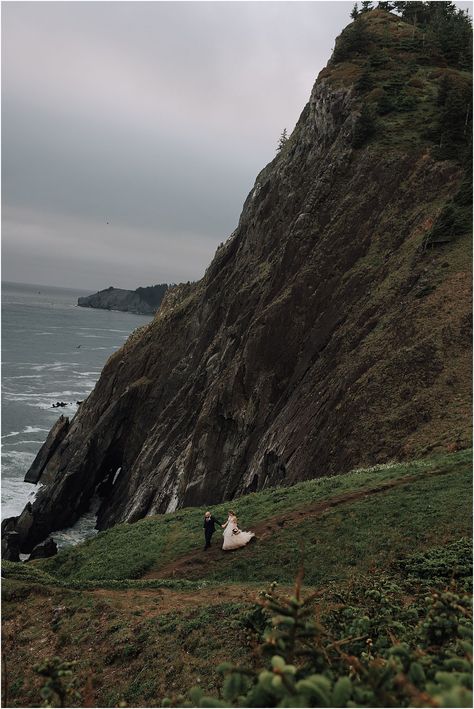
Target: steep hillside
x,y
146,614
331,330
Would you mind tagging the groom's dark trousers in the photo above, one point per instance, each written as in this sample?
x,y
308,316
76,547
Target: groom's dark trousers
x,y
209,529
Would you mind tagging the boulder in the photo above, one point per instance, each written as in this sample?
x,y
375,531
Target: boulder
x,y
44,550
11,546
8,524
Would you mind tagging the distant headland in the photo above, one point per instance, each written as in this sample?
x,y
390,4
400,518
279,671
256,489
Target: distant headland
x,y
142,301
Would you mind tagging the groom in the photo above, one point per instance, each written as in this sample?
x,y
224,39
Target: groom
x,y
209,528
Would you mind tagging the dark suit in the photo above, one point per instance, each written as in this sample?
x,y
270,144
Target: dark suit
x,y
209,529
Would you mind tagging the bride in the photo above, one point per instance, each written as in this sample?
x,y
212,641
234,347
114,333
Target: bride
x,y
233,536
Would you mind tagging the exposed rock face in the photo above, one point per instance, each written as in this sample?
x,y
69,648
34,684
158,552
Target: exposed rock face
x,y
323,336
11,546
143,301
45,550
54,438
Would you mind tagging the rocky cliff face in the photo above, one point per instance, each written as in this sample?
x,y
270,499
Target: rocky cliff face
x,y
143,301
327,333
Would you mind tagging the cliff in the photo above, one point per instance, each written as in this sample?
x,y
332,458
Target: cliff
x,y
331,330
143,301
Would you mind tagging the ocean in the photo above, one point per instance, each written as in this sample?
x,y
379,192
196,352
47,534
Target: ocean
x,y
52,351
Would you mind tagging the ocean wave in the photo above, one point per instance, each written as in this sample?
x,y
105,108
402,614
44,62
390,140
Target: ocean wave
x,y
88,374
24,396
15,494
102,329
27,429
20,443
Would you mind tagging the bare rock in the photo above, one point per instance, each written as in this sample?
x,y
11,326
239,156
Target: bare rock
x,y
54,438
44,550
11,546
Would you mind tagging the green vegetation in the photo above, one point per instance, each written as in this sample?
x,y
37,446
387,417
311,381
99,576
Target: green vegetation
x,y
371,648
128,551
282,140
153,295
342,540
353,41
364,128
387,559
390,60
59,690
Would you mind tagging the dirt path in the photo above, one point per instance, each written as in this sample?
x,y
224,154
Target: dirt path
x,y
179,568
156,601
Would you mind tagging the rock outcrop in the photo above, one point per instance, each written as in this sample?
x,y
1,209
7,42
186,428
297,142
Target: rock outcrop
x,y
44,550
142,301
327,332
54,438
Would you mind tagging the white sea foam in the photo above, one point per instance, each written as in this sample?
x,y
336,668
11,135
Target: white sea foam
x,y
15,495
82,529
20,443
34,429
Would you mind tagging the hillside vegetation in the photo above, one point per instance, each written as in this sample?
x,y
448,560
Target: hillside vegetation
x,y
146,614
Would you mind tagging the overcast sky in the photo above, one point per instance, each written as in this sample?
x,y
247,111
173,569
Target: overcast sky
x,y
154,117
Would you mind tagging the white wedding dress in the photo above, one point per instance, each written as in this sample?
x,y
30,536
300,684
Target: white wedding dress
x,y
233,536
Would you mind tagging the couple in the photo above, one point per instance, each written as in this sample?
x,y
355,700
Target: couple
x,y
233,536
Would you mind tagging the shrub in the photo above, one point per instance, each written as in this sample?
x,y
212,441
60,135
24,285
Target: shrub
x,y
355,39
364,127
372,649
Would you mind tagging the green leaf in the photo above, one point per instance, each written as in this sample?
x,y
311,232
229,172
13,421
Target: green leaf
x,y
225,667
313,692
233,686
278,663
211,702
341,692
416,674
195,694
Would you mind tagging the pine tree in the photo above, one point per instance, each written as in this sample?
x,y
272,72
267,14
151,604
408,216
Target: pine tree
x,y
283,139
355,12
364,128
364,83
366,5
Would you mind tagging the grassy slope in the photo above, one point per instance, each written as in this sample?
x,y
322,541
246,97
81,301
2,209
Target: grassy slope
x,y
339,539
142,641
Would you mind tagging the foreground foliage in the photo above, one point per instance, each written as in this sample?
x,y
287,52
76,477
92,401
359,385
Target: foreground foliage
x,y
393,568
384,643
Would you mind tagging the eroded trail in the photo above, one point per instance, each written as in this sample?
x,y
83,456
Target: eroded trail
x,y
156,601
191,563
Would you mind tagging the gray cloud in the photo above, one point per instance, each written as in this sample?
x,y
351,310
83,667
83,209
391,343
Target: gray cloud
x,y
154,116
